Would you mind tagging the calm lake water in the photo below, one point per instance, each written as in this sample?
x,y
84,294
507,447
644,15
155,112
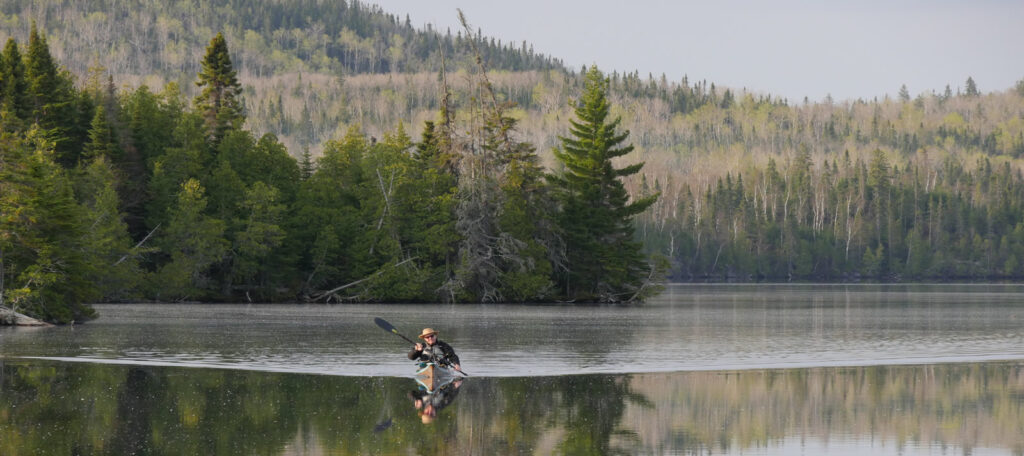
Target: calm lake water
x,y
702,369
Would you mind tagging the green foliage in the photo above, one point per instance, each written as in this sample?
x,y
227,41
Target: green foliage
x,y
44,271
750,187
325,215
195,242
101,139
52,101
530,239
15,106
188,158
261,234
113,265
604,262
219,102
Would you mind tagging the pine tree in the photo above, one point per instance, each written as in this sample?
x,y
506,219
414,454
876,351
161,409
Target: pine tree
x,y
219,102
604,262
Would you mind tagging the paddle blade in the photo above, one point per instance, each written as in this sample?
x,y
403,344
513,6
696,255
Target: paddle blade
x,y
384,324
387,327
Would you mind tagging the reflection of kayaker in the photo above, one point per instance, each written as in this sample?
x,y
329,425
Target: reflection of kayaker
x,y
429,403
434,351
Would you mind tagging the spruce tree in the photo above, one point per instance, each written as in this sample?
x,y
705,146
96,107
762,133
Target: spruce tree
x,y
41,73
14,104
101,138
52,99
604,261
43,266
219,102
971,88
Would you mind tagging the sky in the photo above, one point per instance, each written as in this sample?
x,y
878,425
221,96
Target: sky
x,y
789,48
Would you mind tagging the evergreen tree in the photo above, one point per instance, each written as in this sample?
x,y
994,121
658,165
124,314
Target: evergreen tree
x,y
604,262
324,223
253,265
187,159
530,244
14,104
306,165
428,210
52,100
219,102
195,242
970,88
904,93
43,268
112,258
101,138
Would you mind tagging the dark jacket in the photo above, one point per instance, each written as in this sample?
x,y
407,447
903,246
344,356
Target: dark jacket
x,y
439,353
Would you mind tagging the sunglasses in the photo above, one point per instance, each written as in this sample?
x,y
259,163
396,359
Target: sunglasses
x,y
430,337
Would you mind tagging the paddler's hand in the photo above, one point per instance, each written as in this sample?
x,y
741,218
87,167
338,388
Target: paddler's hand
x,y
418,347
457,367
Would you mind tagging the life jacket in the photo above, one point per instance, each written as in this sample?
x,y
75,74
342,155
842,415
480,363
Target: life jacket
x,y
435,354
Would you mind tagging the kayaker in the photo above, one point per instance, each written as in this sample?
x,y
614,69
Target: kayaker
x,y
434,350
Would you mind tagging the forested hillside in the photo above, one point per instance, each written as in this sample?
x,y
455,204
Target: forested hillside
x,y
111,195
322,151
301,62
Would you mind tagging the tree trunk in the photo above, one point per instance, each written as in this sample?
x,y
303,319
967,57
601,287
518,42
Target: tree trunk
x,y
9,317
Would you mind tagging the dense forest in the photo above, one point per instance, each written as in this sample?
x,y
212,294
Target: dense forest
x,y
113,195
324,176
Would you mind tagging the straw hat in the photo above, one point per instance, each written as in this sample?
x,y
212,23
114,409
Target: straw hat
x,y
426,332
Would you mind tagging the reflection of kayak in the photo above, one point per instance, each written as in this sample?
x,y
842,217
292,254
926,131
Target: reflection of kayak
x,y
431,376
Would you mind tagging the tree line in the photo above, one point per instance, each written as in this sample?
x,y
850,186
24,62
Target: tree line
x,y
124,195
270,37
848,219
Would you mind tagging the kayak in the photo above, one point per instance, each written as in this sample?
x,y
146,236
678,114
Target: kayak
x,y
432,376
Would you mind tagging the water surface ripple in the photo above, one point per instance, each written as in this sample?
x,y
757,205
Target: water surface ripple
x,y
688,328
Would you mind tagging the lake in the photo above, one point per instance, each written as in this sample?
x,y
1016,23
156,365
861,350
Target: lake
x,y
701,369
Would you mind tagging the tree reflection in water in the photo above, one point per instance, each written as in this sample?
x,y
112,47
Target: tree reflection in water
x,y
54,408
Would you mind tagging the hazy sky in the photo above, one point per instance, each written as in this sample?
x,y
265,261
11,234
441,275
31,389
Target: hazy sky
x,y
790,48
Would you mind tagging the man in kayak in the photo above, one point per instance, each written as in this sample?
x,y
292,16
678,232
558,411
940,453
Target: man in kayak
x,y
434,350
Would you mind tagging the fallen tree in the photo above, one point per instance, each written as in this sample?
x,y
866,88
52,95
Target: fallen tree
x,y
9,317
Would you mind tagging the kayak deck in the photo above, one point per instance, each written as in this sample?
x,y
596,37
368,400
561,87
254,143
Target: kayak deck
x,y
431,376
